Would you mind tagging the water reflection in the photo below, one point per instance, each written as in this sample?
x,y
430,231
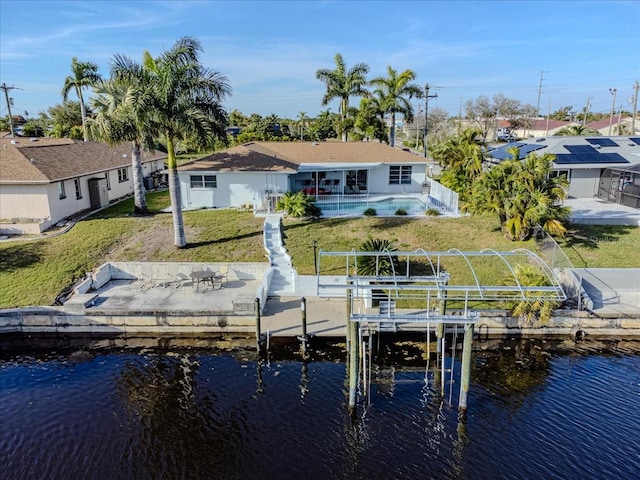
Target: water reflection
x,y
198,412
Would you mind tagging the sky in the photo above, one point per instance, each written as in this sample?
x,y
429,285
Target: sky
x,y
549,54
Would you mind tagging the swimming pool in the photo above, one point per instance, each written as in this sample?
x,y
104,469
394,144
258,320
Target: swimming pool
x,y
349,206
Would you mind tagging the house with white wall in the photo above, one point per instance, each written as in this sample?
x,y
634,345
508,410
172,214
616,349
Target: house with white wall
x,y
46,180
603,167
250,174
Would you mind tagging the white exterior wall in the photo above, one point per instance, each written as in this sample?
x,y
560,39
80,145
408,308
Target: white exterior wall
x,y
584,182
379,180
118,189
234,189
27,205
40,206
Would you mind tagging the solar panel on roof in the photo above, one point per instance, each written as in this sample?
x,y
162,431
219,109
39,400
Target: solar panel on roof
x,y
584,149
580,158
635,140
603,142
528,148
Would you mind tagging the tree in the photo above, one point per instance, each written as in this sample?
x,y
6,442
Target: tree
x,y
118,120
461,158
383,265
523,194
298,205
65,120
85,74
367,121
183,100
485,112
576,131
394,93
342,84
302,124
564,114
531,308
322,127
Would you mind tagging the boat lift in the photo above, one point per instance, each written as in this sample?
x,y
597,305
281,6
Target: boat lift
x,y
387,289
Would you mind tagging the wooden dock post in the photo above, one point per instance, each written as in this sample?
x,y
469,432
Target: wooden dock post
x,y
466,366
303,339
353,357
256,308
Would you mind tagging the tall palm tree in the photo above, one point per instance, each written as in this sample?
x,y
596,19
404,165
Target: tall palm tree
x,y
85,74
117,120
395,93
342,84
183,100
303,122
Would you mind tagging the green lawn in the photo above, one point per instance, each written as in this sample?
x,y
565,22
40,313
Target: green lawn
x,y
34,272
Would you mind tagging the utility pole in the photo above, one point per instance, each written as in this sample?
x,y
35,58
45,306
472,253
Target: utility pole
x,y
636,86
6,96
539,92
613,92
586,111
426,113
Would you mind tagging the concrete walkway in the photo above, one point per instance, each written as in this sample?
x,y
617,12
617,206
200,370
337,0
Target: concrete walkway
x,y
593,211
283,280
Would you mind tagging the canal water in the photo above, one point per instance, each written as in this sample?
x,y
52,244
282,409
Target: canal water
x,y
536,410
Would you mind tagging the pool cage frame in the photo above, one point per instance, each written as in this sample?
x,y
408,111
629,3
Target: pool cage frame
x,y
432,289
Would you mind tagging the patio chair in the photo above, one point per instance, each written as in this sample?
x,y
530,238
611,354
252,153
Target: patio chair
x,y
223,274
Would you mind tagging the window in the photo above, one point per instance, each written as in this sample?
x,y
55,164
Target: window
x,y
76,184
61,191
400,175
123,175
203,181
560,173
106,175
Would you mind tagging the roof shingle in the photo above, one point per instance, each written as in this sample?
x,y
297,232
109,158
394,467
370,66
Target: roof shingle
x,y
23,160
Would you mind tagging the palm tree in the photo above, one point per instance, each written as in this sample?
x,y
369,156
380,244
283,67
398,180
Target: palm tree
x,y
395,92
577,131
461,157
302,123
183,100
523,194
342,84
85,74
117,120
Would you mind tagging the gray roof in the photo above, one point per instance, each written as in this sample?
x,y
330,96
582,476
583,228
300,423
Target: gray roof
x,y
578,152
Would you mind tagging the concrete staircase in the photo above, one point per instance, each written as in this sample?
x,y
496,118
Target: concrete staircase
x,y
283,281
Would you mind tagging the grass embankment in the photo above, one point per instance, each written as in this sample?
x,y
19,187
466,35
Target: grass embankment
x,y
34,272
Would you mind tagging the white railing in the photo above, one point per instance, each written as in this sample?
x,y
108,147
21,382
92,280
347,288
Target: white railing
x,y
441,197
383,204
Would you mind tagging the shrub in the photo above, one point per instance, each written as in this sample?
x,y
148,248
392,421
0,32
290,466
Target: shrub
x,y
401,211
432,211
370,212
298,205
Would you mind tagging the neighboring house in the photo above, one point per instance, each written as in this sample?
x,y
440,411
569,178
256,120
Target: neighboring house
x,y
603,167
46,180
251,174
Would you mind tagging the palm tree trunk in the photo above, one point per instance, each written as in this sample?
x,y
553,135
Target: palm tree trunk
x,y
83,113
179,238
392,135
139,199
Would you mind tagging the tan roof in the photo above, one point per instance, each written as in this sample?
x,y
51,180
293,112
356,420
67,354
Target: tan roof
x,y
288,156
23,160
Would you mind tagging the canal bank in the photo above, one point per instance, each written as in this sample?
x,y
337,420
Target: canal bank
x,y
124,307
